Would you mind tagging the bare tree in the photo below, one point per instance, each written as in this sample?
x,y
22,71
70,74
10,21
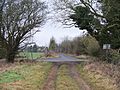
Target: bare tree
x,y
2,3
19,20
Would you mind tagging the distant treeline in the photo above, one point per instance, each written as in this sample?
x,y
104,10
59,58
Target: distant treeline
x,y
80,45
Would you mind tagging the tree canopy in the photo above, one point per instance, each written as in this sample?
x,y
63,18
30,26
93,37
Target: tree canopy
x,y
52,44
101,18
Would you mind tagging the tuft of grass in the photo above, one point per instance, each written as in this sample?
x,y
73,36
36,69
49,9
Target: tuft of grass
x,y
96,81
64,80
33,77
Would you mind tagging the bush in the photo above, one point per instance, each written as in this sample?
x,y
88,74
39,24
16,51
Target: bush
x,y
114,57
91,46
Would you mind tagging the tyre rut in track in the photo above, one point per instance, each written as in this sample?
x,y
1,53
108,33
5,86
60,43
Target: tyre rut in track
x,y
50,82
76,76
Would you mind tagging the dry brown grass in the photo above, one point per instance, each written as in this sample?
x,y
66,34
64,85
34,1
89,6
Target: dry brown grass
x,y
110,71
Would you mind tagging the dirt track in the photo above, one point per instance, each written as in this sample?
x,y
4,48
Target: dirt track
x,y
75,75
50,83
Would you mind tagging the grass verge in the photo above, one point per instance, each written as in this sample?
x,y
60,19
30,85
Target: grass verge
x,y
95,81
25,77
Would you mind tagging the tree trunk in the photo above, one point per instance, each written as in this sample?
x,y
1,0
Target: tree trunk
x,y
10,57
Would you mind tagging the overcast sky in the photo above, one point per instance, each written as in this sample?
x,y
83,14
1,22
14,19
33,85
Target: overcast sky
x,y
56,30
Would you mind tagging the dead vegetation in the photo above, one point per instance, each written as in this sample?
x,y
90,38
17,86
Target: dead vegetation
x,y
105,72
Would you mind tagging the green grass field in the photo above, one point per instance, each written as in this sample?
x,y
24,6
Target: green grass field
x,y
31,55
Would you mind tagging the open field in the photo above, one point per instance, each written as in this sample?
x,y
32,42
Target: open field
x,y
31,55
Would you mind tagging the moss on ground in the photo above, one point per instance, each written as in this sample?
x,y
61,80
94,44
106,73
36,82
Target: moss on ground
x,y
10,76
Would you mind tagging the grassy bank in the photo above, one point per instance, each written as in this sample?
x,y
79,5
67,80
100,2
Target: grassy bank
x,y
25,77
96,80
